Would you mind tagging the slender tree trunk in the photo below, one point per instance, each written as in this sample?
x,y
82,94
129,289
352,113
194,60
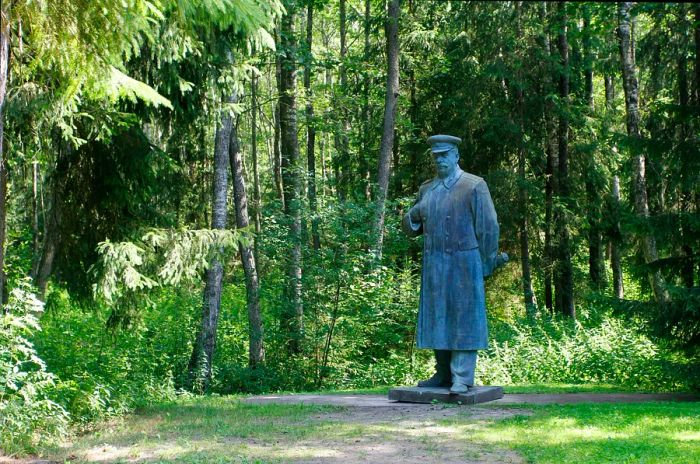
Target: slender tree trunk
x,y
366,82
390,104
615,254
528,292
609,91
564,267
276,153
43,268
596,256
254,151
549,170
685,194
641,204
696,10
293,319
342,142
614,211
200,365
4,77
35,207
256,350
311,130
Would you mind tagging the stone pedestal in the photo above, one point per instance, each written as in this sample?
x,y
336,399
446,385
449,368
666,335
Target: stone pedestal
x,y
475,395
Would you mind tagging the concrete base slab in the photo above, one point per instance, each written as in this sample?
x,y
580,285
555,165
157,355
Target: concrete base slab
x,y
480,394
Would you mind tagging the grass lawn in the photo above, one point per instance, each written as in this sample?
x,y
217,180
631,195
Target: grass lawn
x,y
601,433
226,430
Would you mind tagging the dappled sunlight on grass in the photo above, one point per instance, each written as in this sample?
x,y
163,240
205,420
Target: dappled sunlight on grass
x,y
225,430
211,430
657,432
570,388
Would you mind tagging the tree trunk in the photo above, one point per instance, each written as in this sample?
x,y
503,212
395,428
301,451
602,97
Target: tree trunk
x,y
200,365
390,104
293,318
365,157
342,142
35,208
609,92
366,82
631,86
697,53
686,271
311,130
614,211
276,151
254,151
549,170
43,268
596,256
528,292
564,266
4,77
615,255
256,350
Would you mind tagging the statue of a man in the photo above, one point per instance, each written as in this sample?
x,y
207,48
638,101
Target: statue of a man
x,y
455,214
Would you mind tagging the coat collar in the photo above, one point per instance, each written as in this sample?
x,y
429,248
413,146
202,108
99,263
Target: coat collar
x,y
450,181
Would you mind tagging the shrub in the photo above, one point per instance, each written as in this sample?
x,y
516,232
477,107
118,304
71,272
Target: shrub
x,y
605,350
28,417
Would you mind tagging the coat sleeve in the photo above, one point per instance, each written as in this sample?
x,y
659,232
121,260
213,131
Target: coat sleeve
x,y
485,227
411,224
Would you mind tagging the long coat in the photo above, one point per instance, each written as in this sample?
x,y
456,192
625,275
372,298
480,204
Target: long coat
x,y
460,229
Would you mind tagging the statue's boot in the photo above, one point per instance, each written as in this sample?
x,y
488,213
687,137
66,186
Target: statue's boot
x,y
462,366
442,377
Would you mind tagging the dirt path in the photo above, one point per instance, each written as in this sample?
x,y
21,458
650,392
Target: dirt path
x,y
358,429
409,434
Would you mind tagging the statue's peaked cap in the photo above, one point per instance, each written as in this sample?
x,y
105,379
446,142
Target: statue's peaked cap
x,y
439,143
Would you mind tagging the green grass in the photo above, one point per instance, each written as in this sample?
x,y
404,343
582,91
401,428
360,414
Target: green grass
x,y
569,388
225,430
664,433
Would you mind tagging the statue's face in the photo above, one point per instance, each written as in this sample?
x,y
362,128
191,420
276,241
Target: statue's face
x,y
445,162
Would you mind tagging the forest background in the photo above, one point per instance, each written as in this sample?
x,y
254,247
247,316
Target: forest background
x,y
205,196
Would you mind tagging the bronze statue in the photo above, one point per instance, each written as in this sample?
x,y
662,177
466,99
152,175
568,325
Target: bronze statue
x,y
456,216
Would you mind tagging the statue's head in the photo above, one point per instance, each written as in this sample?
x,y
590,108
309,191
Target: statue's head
x,y
445,153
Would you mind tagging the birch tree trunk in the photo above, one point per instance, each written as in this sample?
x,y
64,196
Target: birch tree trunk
x,y
631,87
615,254
200,365
390,104
616,234
256,350
293,318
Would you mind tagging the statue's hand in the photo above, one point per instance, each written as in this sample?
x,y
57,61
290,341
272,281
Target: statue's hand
x,y
414,214
501,259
